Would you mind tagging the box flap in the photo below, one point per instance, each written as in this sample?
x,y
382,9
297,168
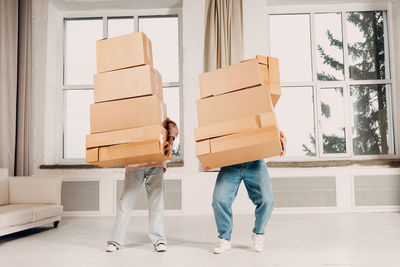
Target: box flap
x,y
92,155
203,147
268,119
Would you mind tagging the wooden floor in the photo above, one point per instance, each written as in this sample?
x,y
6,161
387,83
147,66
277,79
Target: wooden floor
x,y
370,239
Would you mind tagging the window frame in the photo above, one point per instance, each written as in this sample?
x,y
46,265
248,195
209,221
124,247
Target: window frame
x,y
61,67
346,83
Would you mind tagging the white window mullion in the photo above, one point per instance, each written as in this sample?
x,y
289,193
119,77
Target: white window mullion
x,y
105,27
317,102
136,19
346,89
345,48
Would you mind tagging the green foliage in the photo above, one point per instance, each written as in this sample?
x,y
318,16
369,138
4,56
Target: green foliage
x,y
369,107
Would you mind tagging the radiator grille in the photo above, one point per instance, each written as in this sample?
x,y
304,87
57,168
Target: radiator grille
x,y
80,195
377,190
312,191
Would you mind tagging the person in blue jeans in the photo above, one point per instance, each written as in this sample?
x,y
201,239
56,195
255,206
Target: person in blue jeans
x,y
256,179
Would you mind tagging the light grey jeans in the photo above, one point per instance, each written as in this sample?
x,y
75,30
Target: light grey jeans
x,y
153,179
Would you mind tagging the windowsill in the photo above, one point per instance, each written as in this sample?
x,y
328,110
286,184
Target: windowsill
x,y
393,163
173,164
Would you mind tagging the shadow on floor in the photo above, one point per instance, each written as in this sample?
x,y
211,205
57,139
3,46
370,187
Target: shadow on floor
x,y
24,233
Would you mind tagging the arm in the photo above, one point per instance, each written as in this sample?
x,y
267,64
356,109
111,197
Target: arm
x,y
283,142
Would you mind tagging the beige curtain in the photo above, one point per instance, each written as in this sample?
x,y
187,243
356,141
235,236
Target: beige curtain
x,y
223,33
15,84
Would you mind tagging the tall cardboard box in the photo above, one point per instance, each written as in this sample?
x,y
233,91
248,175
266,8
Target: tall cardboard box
x,y
139,145
249,73
123,51
234,105
126,113
127,83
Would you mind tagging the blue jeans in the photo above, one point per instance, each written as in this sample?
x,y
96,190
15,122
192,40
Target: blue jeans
x,y
153,179
258,184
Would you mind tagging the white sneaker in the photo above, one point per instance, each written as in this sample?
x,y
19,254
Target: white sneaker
x,y
222,246
111,248
161,247
258,242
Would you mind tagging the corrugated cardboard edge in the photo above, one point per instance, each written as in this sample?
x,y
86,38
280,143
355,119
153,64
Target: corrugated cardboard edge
x,y
132,135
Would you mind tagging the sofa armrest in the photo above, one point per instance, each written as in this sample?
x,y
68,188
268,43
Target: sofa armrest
x,y
35,190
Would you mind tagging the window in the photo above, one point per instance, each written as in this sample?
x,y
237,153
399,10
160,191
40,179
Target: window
x,y
336,82
80,36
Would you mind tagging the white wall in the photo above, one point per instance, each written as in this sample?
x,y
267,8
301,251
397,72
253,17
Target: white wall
x,y
197,186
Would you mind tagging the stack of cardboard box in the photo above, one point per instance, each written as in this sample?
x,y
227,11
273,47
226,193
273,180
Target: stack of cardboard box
x,y
127,121
236,117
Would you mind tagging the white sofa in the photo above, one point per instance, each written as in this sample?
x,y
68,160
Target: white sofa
x,y
27,202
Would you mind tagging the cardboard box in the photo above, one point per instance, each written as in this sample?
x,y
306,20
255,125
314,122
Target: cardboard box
x,y
249,73
239,148
234,105
235,126
269,67
127,83
134,135
127,113
125,154
123,51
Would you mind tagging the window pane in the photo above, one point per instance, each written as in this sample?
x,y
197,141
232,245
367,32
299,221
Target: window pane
x,y
80,50
295,114
290,42
328,34
370,119
120,26
77,122
171,99
163,33
333,120
367,45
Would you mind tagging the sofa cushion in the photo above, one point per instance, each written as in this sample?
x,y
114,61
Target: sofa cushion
x,y
46,211
11,215
3,186
35,190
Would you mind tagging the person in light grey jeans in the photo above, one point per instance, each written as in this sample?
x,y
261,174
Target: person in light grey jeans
x,y
152,175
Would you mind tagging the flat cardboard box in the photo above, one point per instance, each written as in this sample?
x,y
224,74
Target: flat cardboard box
x,y
239,148
234,105
249,73
235,126
134,135
127,83
123,51
125,154
127,113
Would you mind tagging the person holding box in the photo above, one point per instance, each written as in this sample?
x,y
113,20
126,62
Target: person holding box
x,y
152,174
258,185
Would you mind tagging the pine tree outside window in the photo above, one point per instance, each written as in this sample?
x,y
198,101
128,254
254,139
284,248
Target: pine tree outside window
x,y
336,82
